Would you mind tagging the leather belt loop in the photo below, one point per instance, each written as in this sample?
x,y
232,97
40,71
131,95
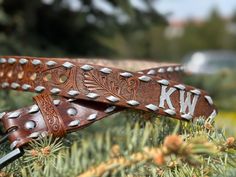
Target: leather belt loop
x,y
51,116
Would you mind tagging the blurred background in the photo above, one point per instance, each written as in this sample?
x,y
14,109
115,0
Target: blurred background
x,y
201,34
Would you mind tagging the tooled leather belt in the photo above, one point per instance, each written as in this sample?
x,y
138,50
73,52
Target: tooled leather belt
x,y
76,93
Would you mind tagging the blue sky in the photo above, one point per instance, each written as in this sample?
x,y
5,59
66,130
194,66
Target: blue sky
x,y
183,9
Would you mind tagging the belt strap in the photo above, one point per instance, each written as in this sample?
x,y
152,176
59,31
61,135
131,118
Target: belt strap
x,y
51,115
89,90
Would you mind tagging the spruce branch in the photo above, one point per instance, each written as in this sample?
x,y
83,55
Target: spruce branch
x,y
41,154
173,145
146,147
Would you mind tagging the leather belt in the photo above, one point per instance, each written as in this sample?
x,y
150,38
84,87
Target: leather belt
x,y
75,93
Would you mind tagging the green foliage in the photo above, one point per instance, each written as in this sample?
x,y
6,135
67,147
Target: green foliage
x,y
154,147
41,152
54,29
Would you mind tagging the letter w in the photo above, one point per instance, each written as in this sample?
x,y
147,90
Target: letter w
x,y
188,103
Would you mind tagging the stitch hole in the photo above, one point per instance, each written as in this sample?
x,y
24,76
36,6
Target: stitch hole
x,y
63,78
33,76
9,74
48,77
20,75
12,129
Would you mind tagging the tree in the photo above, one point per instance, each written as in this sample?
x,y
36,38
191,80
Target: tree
x,y
55,29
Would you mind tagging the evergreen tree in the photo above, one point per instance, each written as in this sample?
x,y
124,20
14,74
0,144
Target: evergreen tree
x,y
56,29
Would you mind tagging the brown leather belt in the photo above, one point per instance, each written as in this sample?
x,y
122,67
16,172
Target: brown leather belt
x,y
76,93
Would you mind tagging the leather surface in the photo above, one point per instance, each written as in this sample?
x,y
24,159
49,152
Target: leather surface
x,y
85,91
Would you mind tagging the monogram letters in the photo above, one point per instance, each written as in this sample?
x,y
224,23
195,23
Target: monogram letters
x,y
187,100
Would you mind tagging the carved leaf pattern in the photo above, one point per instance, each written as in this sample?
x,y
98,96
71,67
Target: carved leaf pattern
x,y
95,81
